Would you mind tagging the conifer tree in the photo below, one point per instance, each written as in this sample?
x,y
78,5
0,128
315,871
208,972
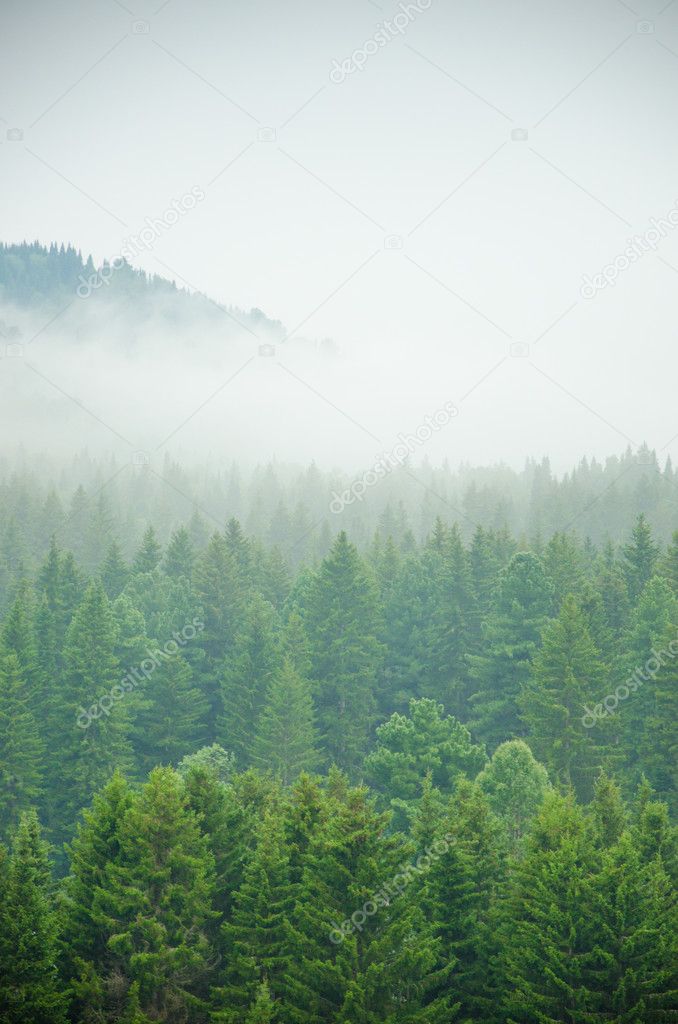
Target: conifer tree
x,y
342,624
512,636
155,908
30,989
360,947
180,556
568,675
640,557
425,741
449,638
634,978
21,748
173,720
256,937
94,725
285,741
549,934
149,554
215,581
114,572
247,675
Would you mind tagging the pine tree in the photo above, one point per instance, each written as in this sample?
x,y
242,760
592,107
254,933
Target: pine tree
x,y
640,557
154,907
21,748
114,572
215,581
30,990
345,653
149,554
567,676
180,556
549,936
262,1009
95,848
425,741
247,675
256,938
172,722
94,737
285,742
449,638
634,979
512,636
360,948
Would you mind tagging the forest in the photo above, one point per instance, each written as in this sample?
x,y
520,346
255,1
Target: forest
x,y
427,775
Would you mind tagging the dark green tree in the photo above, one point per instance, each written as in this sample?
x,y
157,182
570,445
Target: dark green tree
x,y
30,989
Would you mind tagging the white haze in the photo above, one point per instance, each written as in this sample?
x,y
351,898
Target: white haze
x,y
297,226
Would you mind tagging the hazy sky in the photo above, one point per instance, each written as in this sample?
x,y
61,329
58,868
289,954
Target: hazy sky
x,y
434,213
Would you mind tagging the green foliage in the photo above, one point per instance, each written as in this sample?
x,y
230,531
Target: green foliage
x,y
511,638
285,743
426,741
515,785
30,989
567,675
342,626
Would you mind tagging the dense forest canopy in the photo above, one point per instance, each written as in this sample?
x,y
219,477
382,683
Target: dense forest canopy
x,y
430,777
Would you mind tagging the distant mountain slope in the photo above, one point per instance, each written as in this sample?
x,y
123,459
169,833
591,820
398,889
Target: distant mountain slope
x,y
34,277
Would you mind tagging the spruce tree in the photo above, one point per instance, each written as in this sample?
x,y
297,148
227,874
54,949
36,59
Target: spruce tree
x,y
180,556
215,581
640,557
256,937
568,675
342,624
22,752
94,736
549,935
154,906
149,554
114,572
30,989
512,636
173,720
285,741
247,675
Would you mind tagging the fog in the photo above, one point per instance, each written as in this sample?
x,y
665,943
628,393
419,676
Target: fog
x,y
471,205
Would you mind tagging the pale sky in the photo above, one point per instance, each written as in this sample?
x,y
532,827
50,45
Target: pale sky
x,y
401,211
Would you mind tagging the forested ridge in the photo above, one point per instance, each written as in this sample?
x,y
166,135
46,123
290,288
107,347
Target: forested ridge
x,y
419,779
